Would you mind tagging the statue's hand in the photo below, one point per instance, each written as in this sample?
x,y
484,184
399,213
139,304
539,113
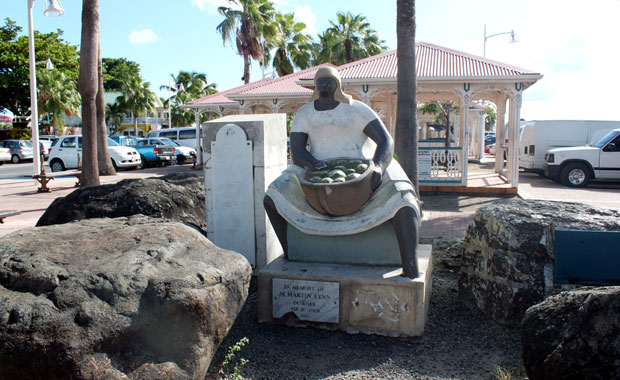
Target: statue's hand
x,y
375,179
320,165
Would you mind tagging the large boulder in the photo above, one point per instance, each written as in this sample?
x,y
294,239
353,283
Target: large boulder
x,y
508,253
573,335
178,196
109,298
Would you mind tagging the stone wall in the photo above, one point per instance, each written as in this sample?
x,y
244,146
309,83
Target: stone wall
x,y
508,253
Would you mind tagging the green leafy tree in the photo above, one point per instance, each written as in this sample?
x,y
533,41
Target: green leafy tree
x,y
58,95
353,39
116,71
442,113
491,117
137,98
249,27
187,86
291,47
406,139
114,115
323,50
14,69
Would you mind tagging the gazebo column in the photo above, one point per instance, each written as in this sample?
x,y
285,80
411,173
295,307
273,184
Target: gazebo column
x,y
499,133
199,158
464,132
514,115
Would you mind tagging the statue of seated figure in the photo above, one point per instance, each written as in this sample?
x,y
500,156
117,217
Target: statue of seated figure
x,y
335,126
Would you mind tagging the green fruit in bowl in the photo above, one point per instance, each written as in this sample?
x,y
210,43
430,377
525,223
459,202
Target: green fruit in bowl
x,y
315,179
326,180
349,171
337,173
352,176
361,168
339,179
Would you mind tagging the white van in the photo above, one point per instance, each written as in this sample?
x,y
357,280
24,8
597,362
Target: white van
x,y
185,136
538,136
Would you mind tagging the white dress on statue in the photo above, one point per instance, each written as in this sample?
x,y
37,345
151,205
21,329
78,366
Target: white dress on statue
x,y
332,134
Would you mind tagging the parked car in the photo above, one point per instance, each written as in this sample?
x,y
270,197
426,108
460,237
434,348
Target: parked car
x,y
539,136
21,150
577,166
5,155
185,136
65,152
150,155
44,148
184,154
50,138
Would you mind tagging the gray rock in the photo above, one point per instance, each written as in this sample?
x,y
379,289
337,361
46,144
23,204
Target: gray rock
x,y
573,335
108,298
508,253
178,196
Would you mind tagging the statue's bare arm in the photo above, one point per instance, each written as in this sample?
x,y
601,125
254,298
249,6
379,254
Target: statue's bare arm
x,y
384,152
300,155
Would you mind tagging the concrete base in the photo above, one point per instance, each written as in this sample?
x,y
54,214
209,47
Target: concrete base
x,y
371,299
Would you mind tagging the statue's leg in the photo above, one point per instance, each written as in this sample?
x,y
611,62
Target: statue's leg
x,y
406,226
278,222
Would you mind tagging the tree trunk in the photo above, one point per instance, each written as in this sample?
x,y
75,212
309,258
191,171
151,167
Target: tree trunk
x,y
246,68
88,84
104,162
406,114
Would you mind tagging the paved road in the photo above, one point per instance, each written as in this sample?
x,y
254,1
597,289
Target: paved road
x,y
10,170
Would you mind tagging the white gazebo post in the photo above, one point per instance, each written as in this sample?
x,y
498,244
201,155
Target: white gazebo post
x,y
464,133
53,9
513,134
199,158
500,125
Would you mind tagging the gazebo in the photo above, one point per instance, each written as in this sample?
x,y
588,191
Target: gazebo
x,y
443,75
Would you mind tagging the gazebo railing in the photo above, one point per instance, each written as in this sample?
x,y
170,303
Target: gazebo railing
x,y
440,165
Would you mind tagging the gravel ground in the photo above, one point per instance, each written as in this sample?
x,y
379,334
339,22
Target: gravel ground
x,y
457,344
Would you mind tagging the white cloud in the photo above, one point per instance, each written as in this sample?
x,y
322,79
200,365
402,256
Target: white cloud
x,y
212,5
304,14
143,36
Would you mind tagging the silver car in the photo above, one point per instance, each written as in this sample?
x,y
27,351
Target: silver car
x,y
21,150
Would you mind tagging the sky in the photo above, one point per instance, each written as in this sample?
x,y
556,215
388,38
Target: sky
x,y
573,44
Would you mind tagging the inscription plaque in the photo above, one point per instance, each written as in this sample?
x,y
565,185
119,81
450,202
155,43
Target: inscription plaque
x,y
316,301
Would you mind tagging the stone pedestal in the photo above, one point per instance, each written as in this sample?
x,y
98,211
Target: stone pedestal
x,y
353,298
243,155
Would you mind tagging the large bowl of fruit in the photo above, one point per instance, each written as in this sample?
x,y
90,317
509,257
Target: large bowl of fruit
x,y
340,189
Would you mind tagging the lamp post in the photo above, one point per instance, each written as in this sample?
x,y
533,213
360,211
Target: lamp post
x,y
512,38
53,8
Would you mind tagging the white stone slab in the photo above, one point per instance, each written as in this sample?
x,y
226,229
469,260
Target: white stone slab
x,y
316,301
233,192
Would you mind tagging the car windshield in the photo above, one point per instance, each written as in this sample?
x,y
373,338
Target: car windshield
x,y
605,139
167,141
112,142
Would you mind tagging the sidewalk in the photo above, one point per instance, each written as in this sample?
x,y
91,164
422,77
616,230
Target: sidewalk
x,y
22,195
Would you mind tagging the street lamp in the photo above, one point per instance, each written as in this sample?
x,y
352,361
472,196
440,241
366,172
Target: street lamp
x,y
177,90
53,8
513,38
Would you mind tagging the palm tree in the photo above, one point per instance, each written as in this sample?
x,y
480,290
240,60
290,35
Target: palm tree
x,y
355,38
322,50
406,118
292,47
88,85
137,98
114,115
187,86
104,162
58,95
250,26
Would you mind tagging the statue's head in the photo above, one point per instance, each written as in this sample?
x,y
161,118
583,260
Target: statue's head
x,y
322,85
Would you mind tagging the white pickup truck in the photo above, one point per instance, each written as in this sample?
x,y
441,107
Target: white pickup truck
x,y
576,166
